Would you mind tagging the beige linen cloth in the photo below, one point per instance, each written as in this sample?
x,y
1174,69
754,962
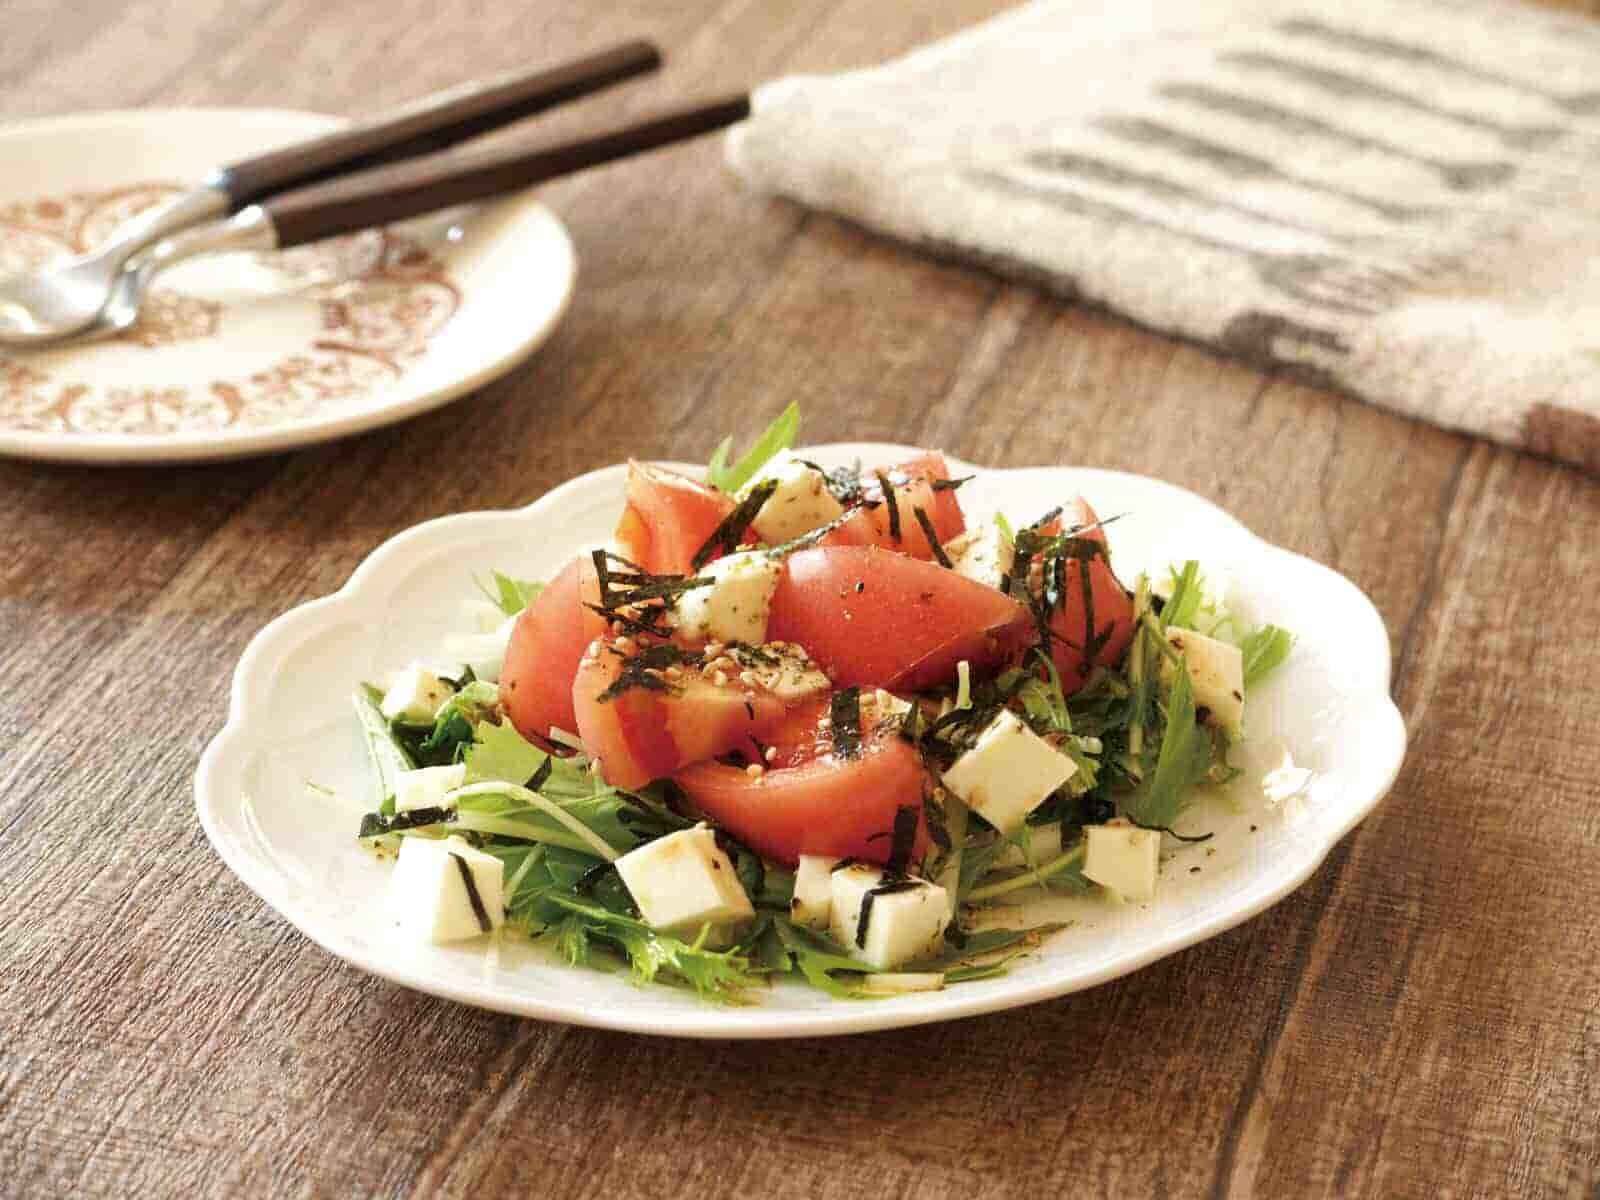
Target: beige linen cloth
x,y
1398,200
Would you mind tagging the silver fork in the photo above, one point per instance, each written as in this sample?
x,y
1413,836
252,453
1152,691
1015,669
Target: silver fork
x,y
394,193
65,299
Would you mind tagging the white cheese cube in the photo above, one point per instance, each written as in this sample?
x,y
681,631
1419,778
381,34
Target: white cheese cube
x,y
898,926
1216,672
1123,857
982,553
683,881
430,893
485,653
801,503
813,891
734,607
783,669
415,696
426,786
1008,773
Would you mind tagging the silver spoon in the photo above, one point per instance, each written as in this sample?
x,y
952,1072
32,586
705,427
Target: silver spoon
x,y
64,299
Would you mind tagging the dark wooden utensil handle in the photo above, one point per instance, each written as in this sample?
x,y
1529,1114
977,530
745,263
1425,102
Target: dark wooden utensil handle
x,y
433,123
423,185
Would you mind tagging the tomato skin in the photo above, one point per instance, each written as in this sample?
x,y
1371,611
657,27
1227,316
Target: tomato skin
x,y
546,644
642,734
667,518
842,808
1113,610
912,483
871,617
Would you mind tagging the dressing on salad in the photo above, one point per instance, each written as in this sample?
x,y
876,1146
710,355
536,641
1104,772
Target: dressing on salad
x,y
809,723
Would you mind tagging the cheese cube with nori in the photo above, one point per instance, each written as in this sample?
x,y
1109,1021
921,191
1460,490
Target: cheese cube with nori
x,y
485,653
683,881
1123,857
801,502
734,607
887,920
1008,773
983,553
415,696
1216,673
426,786
446,891
813,891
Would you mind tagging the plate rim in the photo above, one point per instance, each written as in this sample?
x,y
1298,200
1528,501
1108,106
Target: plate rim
x,y
1384,724
111,449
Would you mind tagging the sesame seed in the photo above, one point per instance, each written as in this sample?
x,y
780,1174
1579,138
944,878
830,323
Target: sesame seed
x,y
771,753
755,770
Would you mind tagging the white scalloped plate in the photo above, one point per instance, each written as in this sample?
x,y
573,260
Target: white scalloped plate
x,y
290,723
243,354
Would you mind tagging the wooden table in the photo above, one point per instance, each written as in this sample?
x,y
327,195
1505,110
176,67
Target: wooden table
x,y
1422,1018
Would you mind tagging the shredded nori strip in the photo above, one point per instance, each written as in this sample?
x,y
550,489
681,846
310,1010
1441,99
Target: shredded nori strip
x,y
649,626
843,482
950,485
725,538
636,668
540,776
468,675
585,882
478,910
844,714
926,522
621,588
894,505
887,888
1171,832
376,824
904,838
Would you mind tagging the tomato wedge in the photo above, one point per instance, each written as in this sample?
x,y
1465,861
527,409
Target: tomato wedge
x,y
667,518
871,617
821,803
895,527
1076,646
546,644
648,730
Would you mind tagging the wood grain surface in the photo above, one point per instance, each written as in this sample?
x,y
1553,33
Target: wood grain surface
x,y
1421,1019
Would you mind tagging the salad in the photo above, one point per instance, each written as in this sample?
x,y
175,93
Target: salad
x,y
809,723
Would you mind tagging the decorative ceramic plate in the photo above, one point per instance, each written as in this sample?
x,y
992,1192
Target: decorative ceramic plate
x,y
242,354
291,723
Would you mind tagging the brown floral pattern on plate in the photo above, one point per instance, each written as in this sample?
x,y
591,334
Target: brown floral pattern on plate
x,y
380,299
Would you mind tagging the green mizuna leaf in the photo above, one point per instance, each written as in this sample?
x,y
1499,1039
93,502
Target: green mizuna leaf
x,y
1183,761
777,437
1264,651
509,595
387,755
713,974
